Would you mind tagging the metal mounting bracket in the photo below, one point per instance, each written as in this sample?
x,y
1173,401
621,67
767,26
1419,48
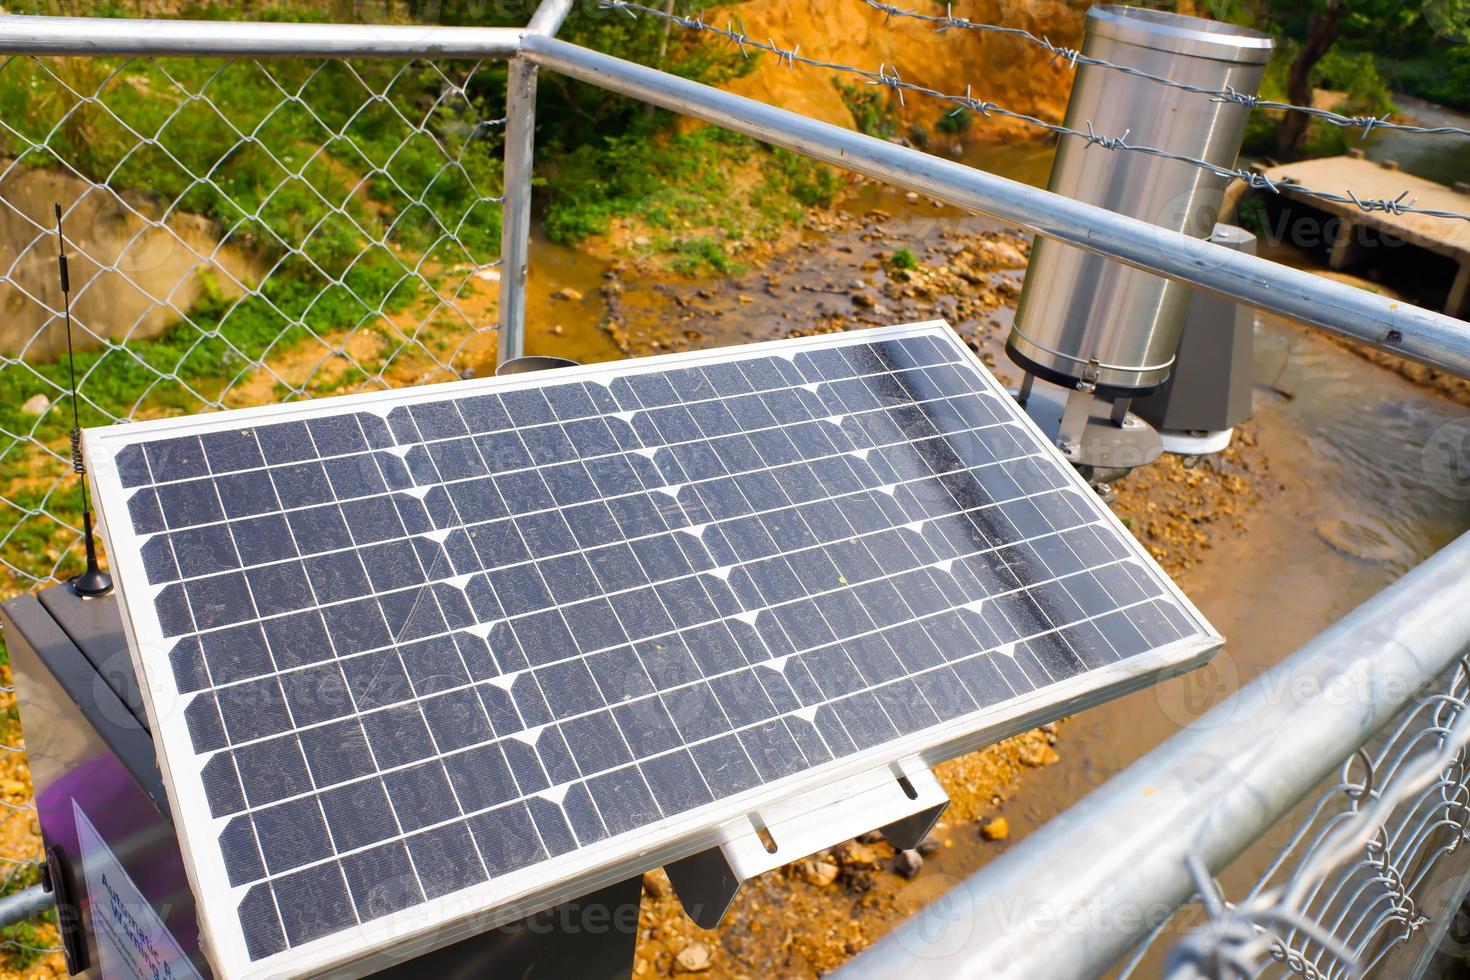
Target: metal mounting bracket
x,y
904,801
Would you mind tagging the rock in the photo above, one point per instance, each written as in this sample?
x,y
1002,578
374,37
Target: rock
x,y
694,958
907,864
865,300
928,845
816,872
557,330
745,299
1356,539
656,883
643,241
996,828
36,405
854,855
488,275
871,837
1036,755
567,293
912,197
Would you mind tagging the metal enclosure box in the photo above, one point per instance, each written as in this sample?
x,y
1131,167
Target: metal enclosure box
x,y
1210,389
88,743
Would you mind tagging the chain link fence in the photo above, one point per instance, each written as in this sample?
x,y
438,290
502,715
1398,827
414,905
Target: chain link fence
x,y
241,232
1369,881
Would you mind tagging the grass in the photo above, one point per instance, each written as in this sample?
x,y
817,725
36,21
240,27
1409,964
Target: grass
x,y
871,109
685,187
904,259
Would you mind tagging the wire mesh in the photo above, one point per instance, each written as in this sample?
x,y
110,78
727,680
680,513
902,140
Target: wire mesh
x,y
241,232
1366,873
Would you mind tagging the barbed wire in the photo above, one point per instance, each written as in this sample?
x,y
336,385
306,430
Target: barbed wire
x,y
948,21
889,77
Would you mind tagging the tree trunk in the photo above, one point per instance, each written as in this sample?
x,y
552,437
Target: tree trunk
x,y
1322,33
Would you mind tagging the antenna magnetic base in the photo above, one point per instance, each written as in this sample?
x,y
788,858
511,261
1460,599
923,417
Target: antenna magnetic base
x,y
92,584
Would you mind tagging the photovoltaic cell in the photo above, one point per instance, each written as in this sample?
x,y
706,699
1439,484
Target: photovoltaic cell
x,y
423,645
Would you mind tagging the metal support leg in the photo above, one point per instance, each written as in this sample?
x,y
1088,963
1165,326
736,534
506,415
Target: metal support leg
x,y
515,231
1074,422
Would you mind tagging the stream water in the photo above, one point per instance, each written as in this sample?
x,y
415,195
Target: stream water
x,y
1349,509
1441,158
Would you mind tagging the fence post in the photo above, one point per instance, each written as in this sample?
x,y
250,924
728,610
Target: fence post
x,y
515,230
520,151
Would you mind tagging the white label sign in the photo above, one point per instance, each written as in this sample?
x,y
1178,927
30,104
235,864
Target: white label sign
x,y
132,941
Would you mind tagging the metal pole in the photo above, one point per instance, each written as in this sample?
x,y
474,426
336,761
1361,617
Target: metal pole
x,y
1399,328
520,154
25,904
515,217
21,34
1081,891
549,17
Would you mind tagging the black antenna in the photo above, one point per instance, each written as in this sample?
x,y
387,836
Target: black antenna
x,y
94,582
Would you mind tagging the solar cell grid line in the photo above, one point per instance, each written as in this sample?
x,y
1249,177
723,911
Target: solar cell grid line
x,y
852,447
329,832
1061,580
534,679
403,897
426,658
611,497
804,523
699,578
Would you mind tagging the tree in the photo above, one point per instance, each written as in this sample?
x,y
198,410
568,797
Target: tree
x,y
1323,30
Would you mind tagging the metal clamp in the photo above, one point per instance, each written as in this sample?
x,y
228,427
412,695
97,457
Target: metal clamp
x,y
904,801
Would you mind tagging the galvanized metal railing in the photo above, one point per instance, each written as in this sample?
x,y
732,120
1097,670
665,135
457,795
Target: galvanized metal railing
x,y
1149,840
1134,851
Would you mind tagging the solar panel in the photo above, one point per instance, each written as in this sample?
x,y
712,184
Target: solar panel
x,y
419,657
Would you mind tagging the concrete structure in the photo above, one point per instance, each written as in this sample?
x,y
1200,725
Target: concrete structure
x,y
1374,181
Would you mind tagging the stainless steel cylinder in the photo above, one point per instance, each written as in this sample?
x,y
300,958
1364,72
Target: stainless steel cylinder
x,y
1083,318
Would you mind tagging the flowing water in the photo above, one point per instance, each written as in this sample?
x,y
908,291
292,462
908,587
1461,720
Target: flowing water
x,y
1442,158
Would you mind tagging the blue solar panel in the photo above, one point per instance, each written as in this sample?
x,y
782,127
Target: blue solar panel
x,y
446,642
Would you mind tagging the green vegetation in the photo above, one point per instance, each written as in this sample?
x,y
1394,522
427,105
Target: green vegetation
x,y
870,107
312,170
1367,49
955,123
904,259
1355,74
26,942
359,191
677,182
